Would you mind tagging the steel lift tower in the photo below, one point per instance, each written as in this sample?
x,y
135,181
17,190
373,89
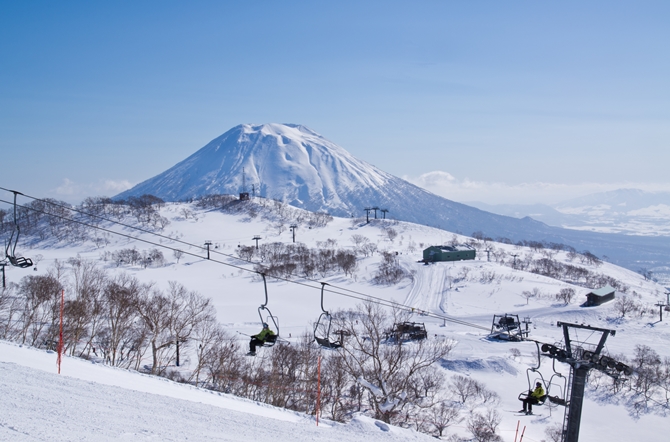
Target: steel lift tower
x,y
581,361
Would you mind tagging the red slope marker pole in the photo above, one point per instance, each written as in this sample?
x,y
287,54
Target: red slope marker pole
x,y
522,433
60,336
318,391
517,430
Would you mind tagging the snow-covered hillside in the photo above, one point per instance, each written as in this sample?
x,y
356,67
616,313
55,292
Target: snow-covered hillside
x,y
294,164
89,401
512,281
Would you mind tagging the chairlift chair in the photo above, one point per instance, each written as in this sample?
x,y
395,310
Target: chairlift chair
x,y
10,247
524,394
270,318
407,331
506,327
557,399
322,329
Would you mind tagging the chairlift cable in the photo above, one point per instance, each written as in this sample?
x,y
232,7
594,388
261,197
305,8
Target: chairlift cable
x,y
391,303
360,296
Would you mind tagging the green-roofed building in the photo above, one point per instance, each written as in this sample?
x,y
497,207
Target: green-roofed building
x,y
448,253
600,296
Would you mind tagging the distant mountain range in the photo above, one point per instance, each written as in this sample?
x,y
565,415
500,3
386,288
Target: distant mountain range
x,y
294,164
628,211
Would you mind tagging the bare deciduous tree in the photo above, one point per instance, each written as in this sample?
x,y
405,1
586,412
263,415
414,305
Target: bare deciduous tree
x,y
566,295
443,416
187,310
40,296
389,270
117,338
386,370
154,309
484,426
625,304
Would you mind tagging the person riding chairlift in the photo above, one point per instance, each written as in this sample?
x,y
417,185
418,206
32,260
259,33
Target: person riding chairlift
x,y
261,338
534,397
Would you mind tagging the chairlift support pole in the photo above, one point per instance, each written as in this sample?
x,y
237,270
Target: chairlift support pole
x,y
526,320
660,306
207,244
514,261
579,372
293,227
367,214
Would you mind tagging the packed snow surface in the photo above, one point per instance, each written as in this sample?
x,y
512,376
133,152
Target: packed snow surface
x,y
93,402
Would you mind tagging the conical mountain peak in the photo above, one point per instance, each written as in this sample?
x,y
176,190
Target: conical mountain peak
x,y
295,164
289,162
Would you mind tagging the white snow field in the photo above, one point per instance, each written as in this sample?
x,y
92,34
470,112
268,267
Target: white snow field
x,y
94,402
90,401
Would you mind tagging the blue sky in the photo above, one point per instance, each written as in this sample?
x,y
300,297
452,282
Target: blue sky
x,y
479,100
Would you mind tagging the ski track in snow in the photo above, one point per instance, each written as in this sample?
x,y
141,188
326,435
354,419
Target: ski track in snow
x,y
428,292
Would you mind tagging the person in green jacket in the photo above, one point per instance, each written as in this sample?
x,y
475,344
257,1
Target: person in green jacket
x,y
533,398
261,338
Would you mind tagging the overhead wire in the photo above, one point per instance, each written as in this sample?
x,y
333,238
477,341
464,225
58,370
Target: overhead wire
x,y
361,296
331,288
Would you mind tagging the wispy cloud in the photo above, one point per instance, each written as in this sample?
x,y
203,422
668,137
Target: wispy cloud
x,y
74,192
447,185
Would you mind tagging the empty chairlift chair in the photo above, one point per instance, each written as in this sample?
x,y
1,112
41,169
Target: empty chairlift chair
x,y
323,335
10,248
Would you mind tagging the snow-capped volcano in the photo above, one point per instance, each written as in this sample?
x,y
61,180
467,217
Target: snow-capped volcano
x,y
288,162
294,164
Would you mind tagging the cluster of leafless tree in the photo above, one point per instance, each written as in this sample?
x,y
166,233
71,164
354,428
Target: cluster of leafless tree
x,y
646,390
270,209
215,201
363,246
389,270
547,265
146,258
629,304
283,260
50,219
117,319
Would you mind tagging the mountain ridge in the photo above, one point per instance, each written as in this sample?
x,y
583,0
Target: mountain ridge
x,y
295,164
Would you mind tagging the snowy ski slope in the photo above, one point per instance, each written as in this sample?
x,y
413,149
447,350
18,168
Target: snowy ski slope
x,y
93,402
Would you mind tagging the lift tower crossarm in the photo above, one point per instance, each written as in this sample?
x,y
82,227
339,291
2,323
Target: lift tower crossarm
x,y
605,333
